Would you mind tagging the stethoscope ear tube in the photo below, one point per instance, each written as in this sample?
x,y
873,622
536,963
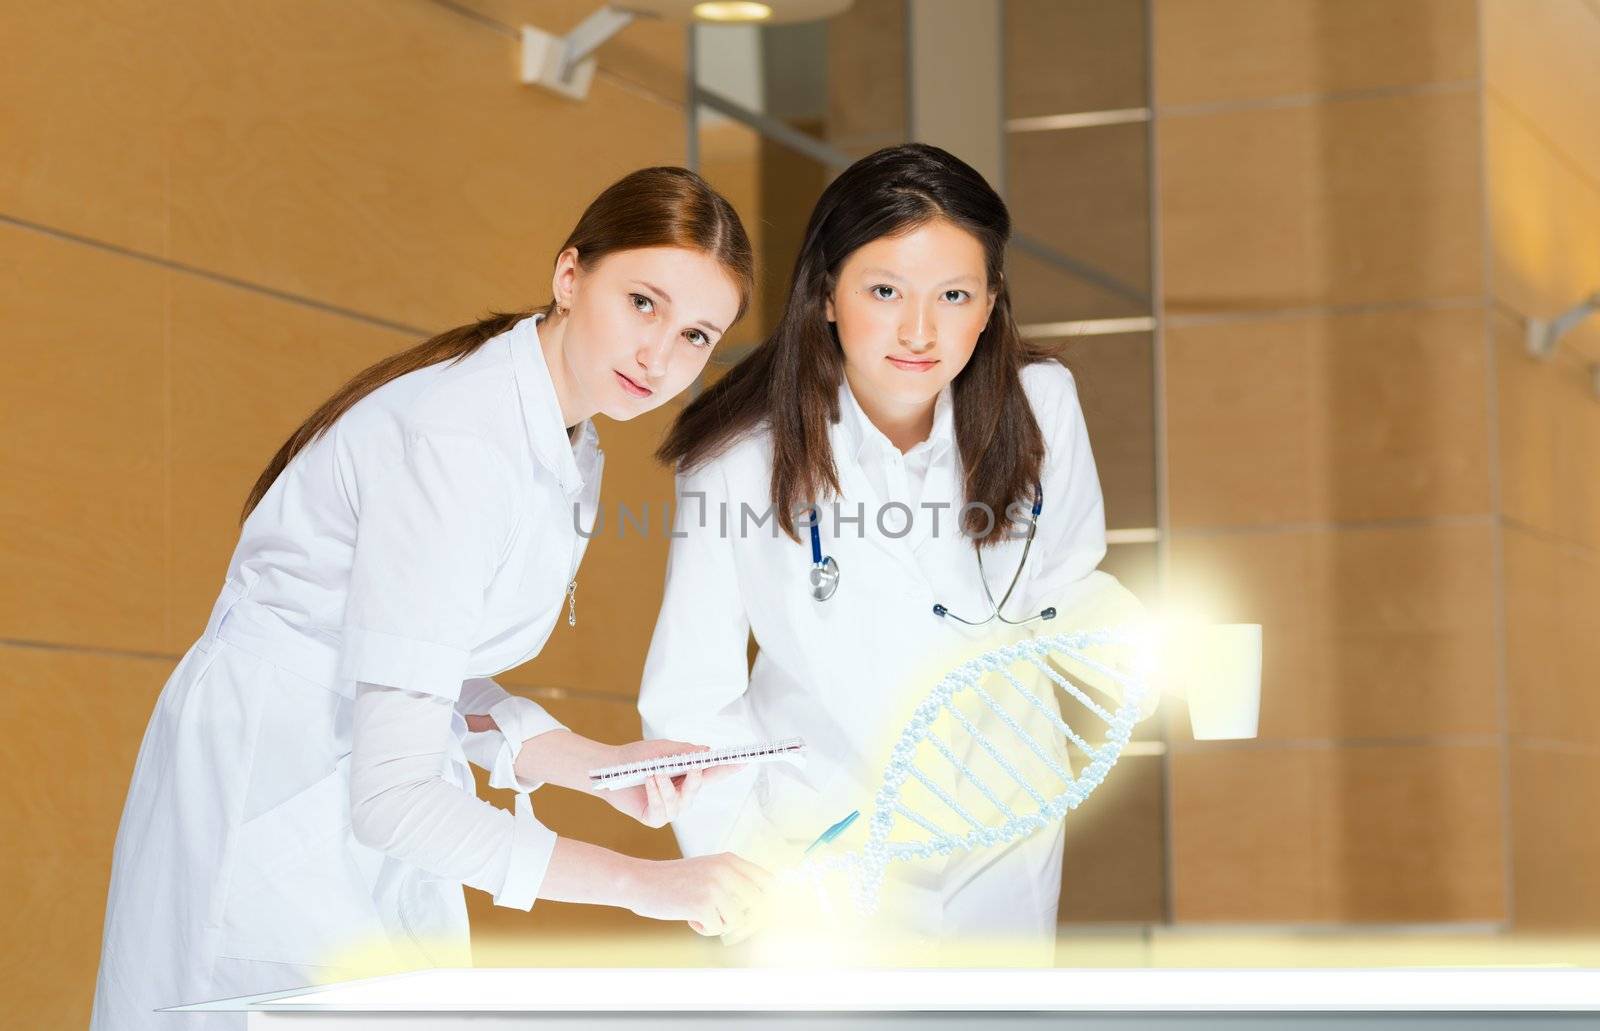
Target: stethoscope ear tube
x,y
824,576
944,612
941,611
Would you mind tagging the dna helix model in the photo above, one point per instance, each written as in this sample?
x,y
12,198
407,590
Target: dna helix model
x,y
866,867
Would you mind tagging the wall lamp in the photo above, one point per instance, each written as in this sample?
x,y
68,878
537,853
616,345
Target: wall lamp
x,y
1544,336
566,64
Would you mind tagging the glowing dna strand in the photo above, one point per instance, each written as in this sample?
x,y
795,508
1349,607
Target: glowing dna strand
x,y
982,678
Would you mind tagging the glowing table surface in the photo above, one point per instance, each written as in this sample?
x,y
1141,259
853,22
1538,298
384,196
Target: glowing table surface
x,y
486,998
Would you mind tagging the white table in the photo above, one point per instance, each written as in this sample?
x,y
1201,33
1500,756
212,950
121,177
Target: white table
x,y
483,999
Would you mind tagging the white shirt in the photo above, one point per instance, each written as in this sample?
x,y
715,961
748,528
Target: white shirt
x,y
423,543
897,476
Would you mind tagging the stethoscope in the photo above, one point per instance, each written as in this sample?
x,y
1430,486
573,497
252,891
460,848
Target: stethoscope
x,y
825,572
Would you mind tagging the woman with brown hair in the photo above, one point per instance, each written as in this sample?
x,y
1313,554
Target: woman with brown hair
x,y
888,481
301,803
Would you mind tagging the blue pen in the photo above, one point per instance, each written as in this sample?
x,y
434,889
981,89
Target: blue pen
x,y
834,831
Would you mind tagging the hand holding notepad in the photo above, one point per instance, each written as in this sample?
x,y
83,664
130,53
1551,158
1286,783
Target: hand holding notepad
x,y
627,775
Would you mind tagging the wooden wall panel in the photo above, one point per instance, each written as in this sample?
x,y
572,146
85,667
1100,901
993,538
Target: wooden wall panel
x,y
1366,633
1244,839
1067,56
383,157
1085,193
1210,51
1541,84
83,523
1526,426
1377,416
1539,60
1113,867
1544,219
81,718
1556,839
1360,202
1549,436
1331,446
1045,292
1387,834
85,86
1552,639
867,59
1116,387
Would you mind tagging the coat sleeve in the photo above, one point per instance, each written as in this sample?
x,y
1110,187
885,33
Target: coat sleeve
x,y
697,671
401,804
1071,538
516,720
432,523
1100,602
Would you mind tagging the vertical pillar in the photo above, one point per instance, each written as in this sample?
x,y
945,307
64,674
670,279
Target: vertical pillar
x,y
956,99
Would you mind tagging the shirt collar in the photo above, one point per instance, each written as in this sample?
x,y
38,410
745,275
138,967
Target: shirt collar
x,y
861,438
572,461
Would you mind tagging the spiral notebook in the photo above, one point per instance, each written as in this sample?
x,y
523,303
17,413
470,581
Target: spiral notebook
x,y
611,778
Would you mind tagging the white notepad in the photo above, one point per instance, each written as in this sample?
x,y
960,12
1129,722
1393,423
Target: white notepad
x,y
611,778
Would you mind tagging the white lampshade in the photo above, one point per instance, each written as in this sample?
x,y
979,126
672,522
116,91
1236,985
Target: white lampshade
x,y
777,12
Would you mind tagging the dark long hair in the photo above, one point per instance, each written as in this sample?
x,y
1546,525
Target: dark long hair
x,y
653,207
791,381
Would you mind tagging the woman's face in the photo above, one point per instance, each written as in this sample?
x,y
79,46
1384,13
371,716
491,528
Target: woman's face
x,y
641,325
909,310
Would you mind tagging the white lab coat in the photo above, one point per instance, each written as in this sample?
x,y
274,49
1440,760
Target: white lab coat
x,y
841,673
425,542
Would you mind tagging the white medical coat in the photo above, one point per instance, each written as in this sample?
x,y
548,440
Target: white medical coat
x,y
425,542
841,673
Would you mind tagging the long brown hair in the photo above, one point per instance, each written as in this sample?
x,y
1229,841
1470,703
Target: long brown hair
x,y
653,207
791,381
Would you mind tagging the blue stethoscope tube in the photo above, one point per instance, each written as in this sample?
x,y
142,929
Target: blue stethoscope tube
x,y
824,570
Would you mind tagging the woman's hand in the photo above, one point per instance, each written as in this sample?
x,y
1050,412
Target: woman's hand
x,y
563,758
659,800
720,894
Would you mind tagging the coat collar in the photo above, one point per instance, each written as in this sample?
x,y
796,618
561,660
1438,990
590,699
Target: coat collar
x,y
857,444
856,436
572,462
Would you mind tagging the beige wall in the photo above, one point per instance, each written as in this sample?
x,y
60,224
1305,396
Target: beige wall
x,y
210,215
1330,455
1541,92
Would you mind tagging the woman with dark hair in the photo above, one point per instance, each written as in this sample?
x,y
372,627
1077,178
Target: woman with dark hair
x,y
904,441
301,805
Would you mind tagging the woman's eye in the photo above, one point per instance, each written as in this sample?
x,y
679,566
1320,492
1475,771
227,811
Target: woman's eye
x,y
698,338
648,305
955,296
889,296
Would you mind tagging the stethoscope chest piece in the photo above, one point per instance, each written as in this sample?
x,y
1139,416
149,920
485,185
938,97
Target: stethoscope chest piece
x,y
824,578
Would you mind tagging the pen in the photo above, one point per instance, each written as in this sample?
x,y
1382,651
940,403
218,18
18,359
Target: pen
x,y
834,831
